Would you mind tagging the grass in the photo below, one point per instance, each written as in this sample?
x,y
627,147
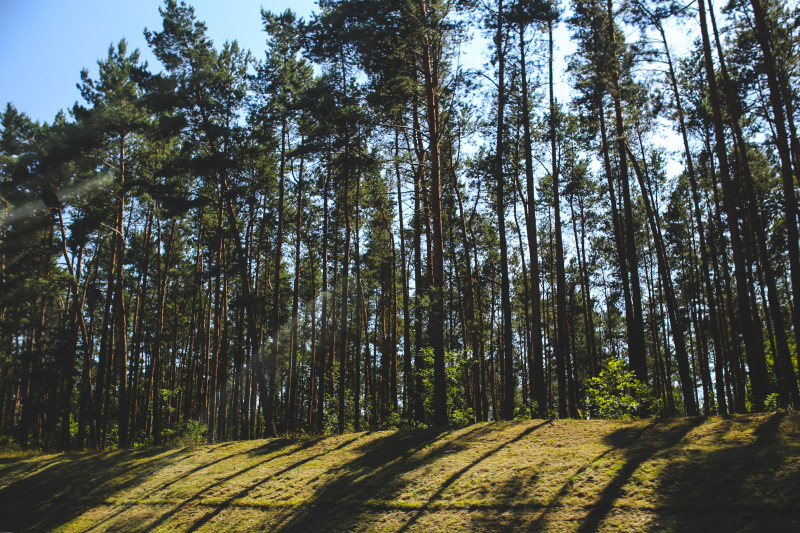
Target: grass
x,y
736,473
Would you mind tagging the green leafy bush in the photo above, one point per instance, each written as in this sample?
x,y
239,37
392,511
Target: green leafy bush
x,y
772,403
8,444
616,394
186,433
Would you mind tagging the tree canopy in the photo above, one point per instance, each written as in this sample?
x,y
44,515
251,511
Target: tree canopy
x,y
348,229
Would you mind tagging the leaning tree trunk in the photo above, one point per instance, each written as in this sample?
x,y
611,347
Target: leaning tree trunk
x,y
754,352
681,355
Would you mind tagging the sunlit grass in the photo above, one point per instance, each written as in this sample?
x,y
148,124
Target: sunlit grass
x,y
562,475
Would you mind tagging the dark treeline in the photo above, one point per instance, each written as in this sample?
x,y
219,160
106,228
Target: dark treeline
x,y
351,231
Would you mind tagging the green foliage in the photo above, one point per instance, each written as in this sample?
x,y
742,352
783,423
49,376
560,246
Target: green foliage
x,y
186,433
772,402
330,422
8,444
456,363
394,421
195,163
616,394
522,411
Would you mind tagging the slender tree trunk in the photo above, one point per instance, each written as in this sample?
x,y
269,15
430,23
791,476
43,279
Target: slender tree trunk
x,y
420,283
471,321
343,318
120,315
323,348
430,72
269,409
719,349
787,382
754,352
293,378
506,356
536,358
562,330
617,224
682,356
787,178
407,371
361,315
636,348
586,296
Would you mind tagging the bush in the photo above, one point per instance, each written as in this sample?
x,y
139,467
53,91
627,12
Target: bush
x,y
772,403
8,444
186,433
617,394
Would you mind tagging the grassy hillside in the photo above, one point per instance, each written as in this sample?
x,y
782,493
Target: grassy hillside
x,y
739,473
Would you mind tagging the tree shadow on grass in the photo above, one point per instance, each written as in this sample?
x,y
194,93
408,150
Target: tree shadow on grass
x,y
641,447
636,445
48,492
250,487
365,490
727,477
53,492
374,476
279,448
752,486
270,449
456,475
731,475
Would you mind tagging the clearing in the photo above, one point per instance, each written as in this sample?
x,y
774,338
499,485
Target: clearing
x,y
735,473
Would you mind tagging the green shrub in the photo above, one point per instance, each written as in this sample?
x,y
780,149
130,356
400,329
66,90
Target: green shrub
x,y
772,403
7,443
616,394
186,433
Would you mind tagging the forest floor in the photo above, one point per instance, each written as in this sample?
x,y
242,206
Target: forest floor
x,y
735,473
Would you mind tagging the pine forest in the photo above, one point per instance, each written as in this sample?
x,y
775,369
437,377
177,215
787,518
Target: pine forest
x,y
353,229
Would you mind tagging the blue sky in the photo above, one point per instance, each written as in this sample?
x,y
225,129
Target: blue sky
x,y
44,44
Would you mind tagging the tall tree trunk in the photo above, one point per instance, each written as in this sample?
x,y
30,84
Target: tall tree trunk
x,y
69,353
120,315
536,358
682,356
293,378
420,283
753,351
525,327
617,225
506,355
343,318
636,348
323,347
586,296
361,316
719,348
407,372
430,73
562,330
269,409
787,179
787,383
472,326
